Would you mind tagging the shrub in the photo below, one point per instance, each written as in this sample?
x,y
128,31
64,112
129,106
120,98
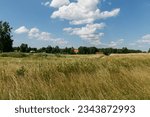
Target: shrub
x,y
13,54
21,71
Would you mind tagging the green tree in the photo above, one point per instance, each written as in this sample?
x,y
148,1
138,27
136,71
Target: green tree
x,y
49,49
149,50
107,51
5,37
93,50
43,49
24,47
125,50
83,50
56,50
16,49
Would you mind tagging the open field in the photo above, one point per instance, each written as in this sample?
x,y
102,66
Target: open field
x,y
42,76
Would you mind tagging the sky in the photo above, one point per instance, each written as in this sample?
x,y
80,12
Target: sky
x,y
74,23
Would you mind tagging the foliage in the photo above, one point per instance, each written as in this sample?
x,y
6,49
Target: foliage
x,y
149,50
5,37
21,71
56,50
124,50
6,45
86,50
14,55
81,49
24,47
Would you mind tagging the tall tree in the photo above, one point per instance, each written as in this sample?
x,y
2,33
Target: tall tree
x,y
149,50
125,50
5,37
49,49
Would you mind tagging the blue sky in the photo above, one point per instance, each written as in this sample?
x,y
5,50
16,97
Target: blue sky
x,y
100,23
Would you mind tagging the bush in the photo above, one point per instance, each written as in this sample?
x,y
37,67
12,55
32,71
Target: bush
x,y
106,53
21,71
15,55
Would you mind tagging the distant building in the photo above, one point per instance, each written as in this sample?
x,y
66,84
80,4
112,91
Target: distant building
x,y
76,51
32,51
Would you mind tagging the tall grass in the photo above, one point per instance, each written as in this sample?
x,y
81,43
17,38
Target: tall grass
x,y
75,77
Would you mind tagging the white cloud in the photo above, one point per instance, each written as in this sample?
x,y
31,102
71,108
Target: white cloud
x,y
115,43
88,33
59,3
83,12
45,4
35,33
79,12
107,14
145,39
60,41
21,30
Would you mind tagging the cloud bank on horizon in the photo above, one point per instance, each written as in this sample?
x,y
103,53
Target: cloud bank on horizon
x,y
35,33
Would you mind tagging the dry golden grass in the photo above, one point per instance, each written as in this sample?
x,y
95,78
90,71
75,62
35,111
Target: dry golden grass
x,y
75,77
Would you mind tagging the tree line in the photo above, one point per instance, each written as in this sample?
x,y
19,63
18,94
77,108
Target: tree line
x,y
81,50
6,45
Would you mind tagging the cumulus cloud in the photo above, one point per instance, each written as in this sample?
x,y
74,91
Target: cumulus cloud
x,y
35,33
21,30
107,14
145,39
82,12
88,33
59,3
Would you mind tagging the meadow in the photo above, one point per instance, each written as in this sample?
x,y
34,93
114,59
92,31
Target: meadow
x,y
74,77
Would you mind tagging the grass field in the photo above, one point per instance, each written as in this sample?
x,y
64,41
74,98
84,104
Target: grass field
x,y
45,77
